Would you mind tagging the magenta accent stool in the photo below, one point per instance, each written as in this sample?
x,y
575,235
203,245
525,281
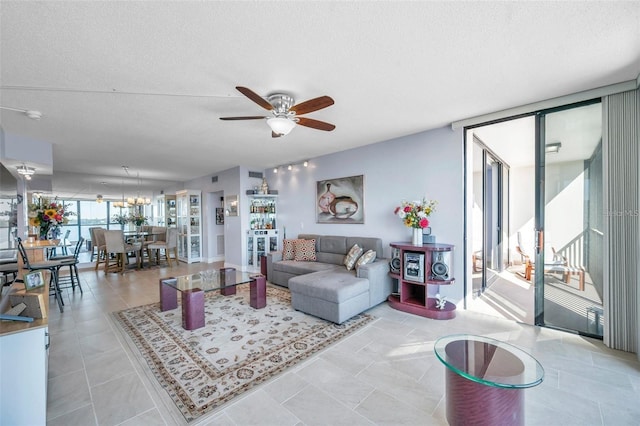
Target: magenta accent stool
x,y
192,309
258,292
168,296
228,276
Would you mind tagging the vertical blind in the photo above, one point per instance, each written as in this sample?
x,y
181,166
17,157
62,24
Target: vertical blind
x,y
621,156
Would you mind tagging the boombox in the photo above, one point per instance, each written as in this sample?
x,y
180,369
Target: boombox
x,y
441,265
414,267
394,265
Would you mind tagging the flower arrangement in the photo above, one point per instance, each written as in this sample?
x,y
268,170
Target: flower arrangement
x,y
120,219
414,213
137,218
48,216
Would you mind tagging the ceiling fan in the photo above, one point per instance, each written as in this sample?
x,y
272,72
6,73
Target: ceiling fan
x,y
284,113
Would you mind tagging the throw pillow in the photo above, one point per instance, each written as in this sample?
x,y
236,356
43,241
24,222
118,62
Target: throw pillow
x,y
305,250
287,249
351,257
368,257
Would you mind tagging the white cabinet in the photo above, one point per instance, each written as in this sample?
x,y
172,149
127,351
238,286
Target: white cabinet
x,y
23,377
259,243
165,211
189,222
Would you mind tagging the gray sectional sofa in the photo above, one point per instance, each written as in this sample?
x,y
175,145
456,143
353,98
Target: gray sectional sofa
x,y
325,288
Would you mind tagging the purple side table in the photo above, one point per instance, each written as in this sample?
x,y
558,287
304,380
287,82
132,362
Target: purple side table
x,y
168,296
228,276
192,309
258,292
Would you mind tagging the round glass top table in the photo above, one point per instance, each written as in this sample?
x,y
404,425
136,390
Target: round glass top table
x,y
485,378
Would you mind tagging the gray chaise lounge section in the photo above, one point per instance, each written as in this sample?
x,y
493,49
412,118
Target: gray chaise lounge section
x,y
325,288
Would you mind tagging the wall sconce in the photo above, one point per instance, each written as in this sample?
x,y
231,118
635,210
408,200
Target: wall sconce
x,y
99,199
289,167
553,147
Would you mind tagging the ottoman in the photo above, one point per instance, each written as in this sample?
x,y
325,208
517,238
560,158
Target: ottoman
x,y
331,295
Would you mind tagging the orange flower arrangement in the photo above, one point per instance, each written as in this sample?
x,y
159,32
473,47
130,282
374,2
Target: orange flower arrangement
x,y
48,216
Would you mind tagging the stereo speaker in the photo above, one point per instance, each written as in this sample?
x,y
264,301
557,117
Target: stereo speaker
x,y
441,265
394,265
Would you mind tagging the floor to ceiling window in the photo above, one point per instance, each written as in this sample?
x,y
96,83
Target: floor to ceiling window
x,y
549,271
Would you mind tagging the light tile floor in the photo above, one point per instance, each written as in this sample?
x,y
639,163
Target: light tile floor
x,y
386,374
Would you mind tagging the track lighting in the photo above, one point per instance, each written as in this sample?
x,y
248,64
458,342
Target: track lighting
x,y
289,166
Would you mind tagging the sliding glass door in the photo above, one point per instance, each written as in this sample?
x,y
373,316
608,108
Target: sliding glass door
x,y
569,258
490,183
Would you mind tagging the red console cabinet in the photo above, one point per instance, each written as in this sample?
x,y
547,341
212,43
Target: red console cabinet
x,y
419,267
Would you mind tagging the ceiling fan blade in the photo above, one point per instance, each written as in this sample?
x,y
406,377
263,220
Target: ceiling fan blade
x,y
312,105
275,135
253,117
315,124
255,97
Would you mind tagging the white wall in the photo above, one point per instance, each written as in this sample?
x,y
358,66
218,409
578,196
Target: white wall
x,y
425,164
428,164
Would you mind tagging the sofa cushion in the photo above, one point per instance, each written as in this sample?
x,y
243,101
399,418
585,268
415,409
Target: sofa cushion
x,y
351,257
298,268
335,286
368,257
333,244
288,249
304,250
367,243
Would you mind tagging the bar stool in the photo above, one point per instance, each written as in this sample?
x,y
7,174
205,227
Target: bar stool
x,y
50,265
72,262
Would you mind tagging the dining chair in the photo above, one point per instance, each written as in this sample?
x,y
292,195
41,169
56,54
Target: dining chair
x,y
94,246
170,244
51,265
101,247
115,244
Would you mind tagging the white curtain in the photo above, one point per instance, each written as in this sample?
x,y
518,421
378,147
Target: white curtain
x,y
621,158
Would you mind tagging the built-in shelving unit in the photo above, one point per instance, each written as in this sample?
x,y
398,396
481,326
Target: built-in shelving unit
x,y
262,237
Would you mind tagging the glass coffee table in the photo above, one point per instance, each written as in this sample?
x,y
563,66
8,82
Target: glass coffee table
x,y
192,289
485,378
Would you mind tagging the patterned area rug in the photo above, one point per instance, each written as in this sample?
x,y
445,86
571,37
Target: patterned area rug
x,y
239,347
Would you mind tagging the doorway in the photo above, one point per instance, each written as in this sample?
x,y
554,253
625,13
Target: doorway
x,y
490,215
537,257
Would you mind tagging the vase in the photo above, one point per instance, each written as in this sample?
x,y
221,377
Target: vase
x,y
325,200
43,233
416,237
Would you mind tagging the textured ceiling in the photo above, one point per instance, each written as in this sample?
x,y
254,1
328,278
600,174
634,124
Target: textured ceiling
x,y
143,83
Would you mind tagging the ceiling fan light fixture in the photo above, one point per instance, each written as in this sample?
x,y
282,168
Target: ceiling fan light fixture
x,y
281,125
